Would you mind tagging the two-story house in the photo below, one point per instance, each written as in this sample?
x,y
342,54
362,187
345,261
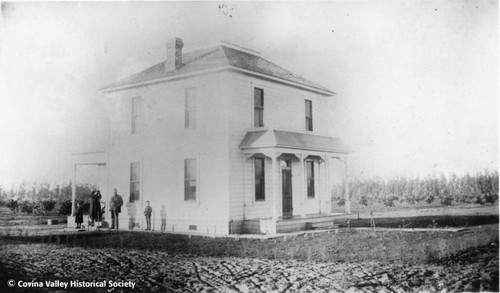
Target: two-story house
x,y
221,141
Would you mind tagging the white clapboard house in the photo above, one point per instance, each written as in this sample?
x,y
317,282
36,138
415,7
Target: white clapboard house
x,y
222,141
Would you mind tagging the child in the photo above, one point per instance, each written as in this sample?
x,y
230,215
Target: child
x,y
163,215
147,213
79,215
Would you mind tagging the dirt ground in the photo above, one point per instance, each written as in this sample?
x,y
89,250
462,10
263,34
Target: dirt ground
x,y
155,271
472,270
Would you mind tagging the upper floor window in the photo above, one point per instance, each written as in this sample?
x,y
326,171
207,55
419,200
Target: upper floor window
x,y
258,104
309,116
310,178
260,188
190,179
135,181
190,108
136,114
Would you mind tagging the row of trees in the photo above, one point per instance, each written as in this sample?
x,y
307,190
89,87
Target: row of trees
x,y
479,189
41,197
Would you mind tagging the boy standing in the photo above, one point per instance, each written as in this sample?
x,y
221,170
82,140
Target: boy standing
x,y
79,215
147,212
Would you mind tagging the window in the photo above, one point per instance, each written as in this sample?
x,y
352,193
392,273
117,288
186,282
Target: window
x,y
190,108
258,103
310,178
309,116
136,115
190,179
260,193
135,182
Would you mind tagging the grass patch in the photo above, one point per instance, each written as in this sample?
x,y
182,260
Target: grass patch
x,y
424,221
345,246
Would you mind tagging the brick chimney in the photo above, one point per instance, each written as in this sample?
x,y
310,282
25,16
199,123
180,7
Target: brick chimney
x,y
174,54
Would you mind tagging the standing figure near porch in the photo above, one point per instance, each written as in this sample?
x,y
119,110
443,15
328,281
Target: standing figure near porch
x,y
95,207
79,215
147,212
115,207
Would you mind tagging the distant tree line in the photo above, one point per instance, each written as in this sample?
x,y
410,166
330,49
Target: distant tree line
x,y
481,188
41,197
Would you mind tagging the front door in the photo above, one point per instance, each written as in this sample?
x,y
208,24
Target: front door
x,y
286,175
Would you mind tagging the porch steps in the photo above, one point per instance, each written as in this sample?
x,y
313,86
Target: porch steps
x,y
306,223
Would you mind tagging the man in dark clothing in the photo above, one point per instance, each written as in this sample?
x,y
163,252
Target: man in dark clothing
x,y
115,207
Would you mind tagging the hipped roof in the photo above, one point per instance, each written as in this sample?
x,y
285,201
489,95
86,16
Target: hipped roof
x,y
217,57
293,140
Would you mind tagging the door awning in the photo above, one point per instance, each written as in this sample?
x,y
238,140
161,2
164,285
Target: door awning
x,y
293,140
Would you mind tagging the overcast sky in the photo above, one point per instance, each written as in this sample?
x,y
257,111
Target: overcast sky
x,y
416,81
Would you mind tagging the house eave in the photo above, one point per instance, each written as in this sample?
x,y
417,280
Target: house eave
x,y
110,89
283,81
293,149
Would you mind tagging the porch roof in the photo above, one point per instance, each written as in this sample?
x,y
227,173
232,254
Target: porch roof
x,y
90,158
293,140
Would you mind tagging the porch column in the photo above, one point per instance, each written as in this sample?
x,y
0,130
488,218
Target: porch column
x,y
303,182
275,199
244,186
99,177
104,192
319,193
73,191
107,191
328,184
347,201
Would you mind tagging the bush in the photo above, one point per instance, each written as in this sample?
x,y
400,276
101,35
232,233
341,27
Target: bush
x,y
446,199
429,199
26,207
13,204
491,198
389,201
47,205
65,208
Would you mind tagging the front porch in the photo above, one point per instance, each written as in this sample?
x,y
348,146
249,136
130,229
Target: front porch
x,y
310,222
98,161
293,224
293,181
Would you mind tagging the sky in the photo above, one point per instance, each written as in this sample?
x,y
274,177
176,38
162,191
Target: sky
x,y
416,81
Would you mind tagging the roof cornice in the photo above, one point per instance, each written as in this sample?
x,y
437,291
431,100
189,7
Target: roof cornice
x,y
284,81
163,79
213,70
